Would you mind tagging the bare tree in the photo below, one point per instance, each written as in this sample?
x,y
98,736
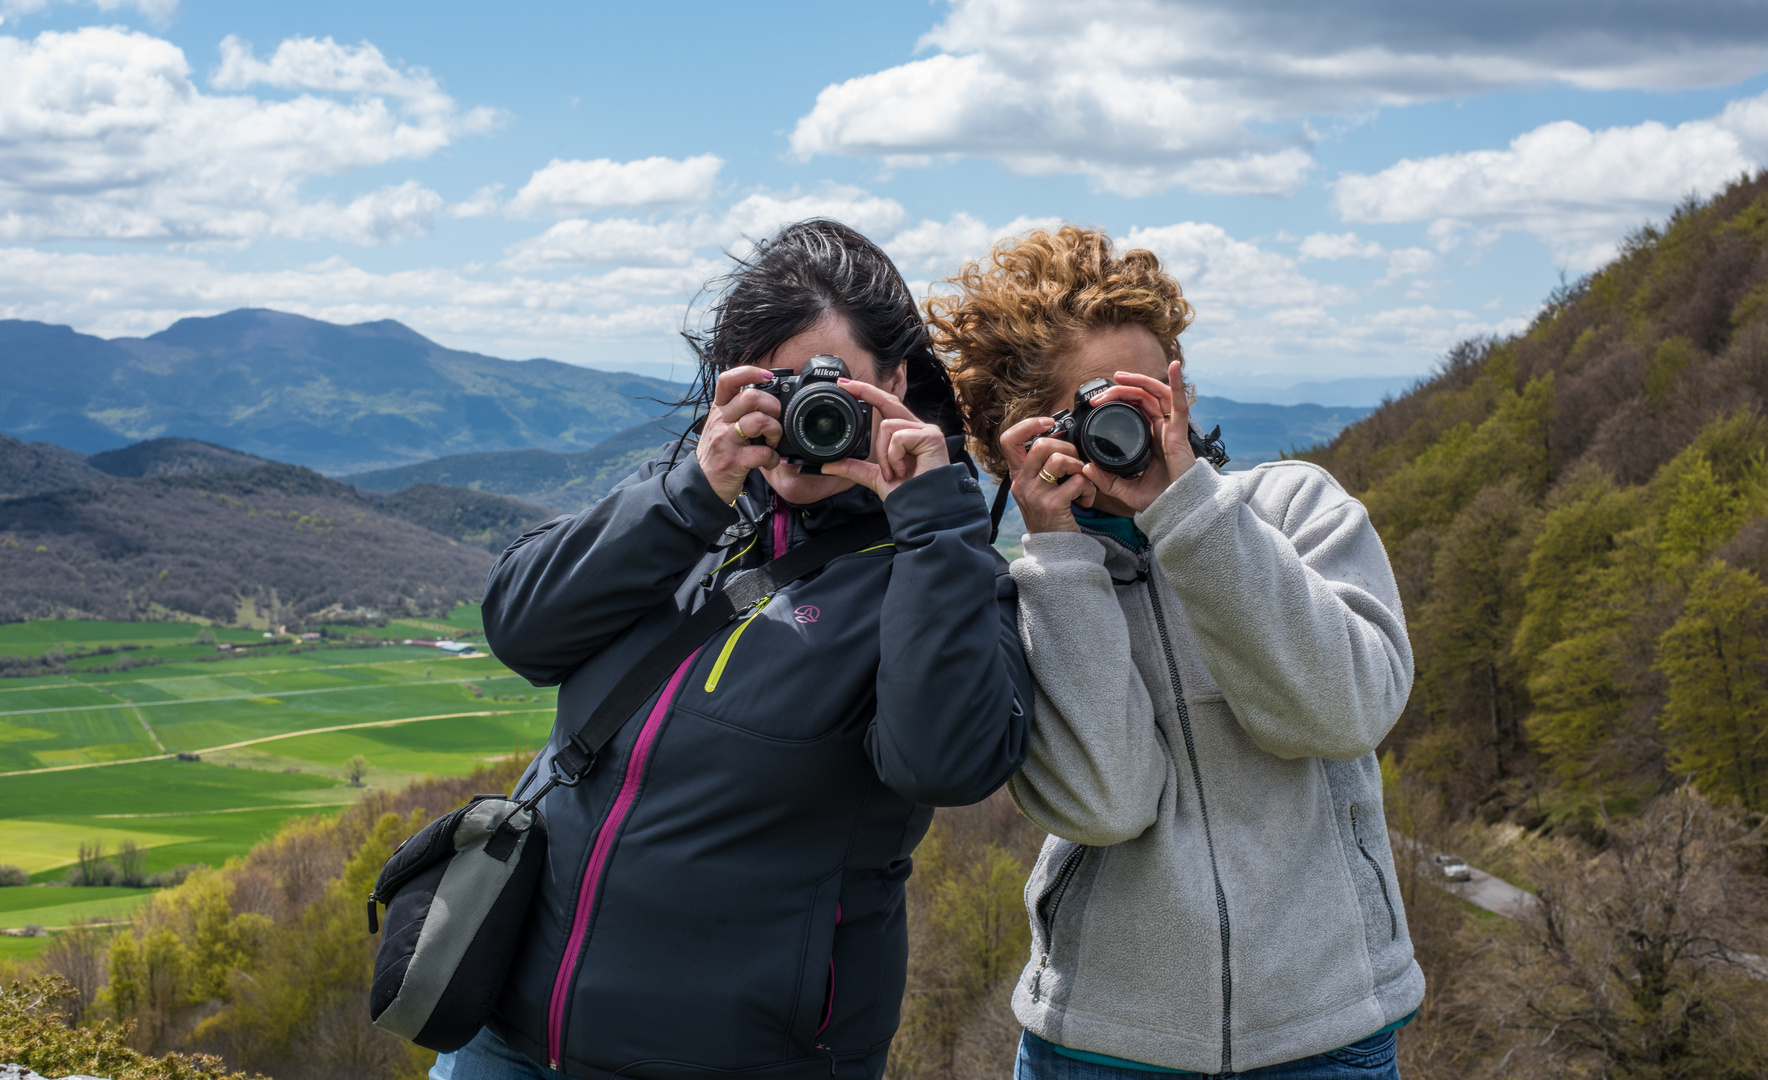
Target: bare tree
x,y
79,955
1636,963
132,862
91,863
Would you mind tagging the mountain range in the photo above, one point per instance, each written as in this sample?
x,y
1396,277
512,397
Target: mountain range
x,y
333,398
377,396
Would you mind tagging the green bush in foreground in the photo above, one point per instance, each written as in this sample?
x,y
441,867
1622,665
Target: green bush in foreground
x,y
34,1033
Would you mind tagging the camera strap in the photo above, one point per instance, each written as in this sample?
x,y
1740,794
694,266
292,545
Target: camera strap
x,y
998,510
576,756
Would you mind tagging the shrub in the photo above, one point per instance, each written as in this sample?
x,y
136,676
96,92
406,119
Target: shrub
x,y
13,875
34,1033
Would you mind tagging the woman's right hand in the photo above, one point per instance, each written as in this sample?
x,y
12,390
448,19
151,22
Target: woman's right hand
x,y
726,453
1046,506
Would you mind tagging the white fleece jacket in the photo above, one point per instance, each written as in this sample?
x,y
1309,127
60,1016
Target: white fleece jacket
x,y
1217,892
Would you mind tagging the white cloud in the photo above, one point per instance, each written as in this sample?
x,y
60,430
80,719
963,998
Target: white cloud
x,y
614,241
941,248
481,203
1224,277
1340,246
1143,95
575,187
675,241
1408,262
104,135
1578,190
761,214
512,315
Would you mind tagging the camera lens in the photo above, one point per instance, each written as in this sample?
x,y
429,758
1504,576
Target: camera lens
x,y
824,425
1118,438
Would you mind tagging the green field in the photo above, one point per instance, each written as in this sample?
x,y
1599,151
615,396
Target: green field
x,y
90,757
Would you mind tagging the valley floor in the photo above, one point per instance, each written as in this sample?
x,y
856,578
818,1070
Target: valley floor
x,y
92,757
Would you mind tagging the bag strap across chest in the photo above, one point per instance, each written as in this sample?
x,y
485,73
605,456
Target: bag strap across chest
x,y
576,756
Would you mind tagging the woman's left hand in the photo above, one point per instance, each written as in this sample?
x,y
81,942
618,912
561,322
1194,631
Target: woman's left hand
x,y
1169,418
903,446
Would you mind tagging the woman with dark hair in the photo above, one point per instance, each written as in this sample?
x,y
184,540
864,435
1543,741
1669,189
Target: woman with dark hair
x,y
724,892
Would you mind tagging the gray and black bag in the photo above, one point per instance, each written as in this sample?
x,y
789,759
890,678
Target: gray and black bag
x,y
457,895
457,892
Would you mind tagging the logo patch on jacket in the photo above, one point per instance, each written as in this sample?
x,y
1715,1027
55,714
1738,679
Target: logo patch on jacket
x,y
807,614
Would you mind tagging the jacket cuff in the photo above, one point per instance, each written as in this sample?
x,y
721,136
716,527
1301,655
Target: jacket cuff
x,y
1184,510
1061,547
946,498
702,512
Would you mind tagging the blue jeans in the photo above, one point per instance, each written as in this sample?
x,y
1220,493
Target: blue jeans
x,y
1371,1059
488,1057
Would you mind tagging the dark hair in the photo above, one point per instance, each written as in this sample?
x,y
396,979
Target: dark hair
x,y
792,281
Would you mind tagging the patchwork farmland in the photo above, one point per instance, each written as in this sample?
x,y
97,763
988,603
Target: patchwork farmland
x,y
193,753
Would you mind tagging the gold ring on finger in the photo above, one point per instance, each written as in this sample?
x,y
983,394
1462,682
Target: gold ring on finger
x,y
739,429
1044,474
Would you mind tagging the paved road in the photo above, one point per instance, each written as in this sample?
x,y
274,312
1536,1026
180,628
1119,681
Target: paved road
x,y
1483,890
1502,898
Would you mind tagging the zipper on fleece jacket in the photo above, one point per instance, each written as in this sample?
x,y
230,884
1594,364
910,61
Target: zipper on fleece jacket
x,y
599,853
1172,668
1393,921
1053,896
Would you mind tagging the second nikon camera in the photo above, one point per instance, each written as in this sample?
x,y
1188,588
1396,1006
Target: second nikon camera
x,y
819,421
1116,436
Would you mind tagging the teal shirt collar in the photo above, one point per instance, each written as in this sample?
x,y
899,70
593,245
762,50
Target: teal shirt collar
x,y
1121,529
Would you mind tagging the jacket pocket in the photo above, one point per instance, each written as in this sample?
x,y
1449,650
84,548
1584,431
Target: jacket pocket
x,y
730,645
1393,919
1046,908
816,968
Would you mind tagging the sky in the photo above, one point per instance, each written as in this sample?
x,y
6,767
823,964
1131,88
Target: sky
x,y
1343,191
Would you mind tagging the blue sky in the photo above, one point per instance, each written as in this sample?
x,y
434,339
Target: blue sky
x,y
1343,191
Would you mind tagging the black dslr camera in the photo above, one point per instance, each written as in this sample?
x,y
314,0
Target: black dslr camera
x,y
1116,436
821,422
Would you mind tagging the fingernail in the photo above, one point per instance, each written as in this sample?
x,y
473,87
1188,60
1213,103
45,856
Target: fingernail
x,y
842,379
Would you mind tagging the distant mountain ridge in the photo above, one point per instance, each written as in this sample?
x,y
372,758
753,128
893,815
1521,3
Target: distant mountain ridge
x,y
176,527
290,388
566,482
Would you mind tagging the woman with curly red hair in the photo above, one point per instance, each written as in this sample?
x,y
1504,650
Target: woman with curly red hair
x,y
1215,657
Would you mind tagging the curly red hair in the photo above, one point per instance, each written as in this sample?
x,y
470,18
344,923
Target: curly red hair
x,y
1011,320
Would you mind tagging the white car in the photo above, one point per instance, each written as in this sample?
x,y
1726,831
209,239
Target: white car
x,y
1454,869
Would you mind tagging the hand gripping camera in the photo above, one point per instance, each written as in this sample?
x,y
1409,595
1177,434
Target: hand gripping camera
x,y
821,422
1116,436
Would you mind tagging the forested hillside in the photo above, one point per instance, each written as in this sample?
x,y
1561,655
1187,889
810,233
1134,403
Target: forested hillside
x,y
1579,520
174,528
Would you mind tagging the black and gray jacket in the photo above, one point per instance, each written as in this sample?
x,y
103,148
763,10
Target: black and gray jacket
x,y
724,891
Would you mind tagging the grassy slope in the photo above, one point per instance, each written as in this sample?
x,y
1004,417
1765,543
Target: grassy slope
x,y
207,811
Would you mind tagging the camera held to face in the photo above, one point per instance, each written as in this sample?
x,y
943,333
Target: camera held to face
x,y
820,422
1115,435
